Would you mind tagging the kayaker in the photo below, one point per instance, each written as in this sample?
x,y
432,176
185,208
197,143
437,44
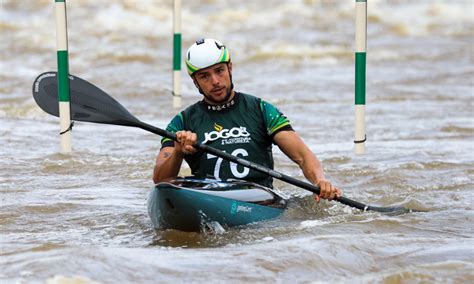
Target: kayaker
x,y
234,122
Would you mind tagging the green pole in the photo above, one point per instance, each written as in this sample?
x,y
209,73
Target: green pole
x,y
63,74
360,71
177,53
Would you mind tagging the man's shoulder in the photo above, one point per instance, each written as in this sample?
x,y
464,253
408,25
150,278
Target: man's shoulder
x,y
180,118
249,96
250,100
192,108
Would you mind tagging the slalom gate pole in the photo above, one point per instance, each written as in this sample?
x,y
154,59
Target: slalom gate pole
x,y
63,77
360,71
177,53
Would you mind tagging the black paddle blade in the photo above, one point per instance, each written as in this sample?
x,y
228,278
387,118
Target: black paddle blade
x,y
88,102
386,210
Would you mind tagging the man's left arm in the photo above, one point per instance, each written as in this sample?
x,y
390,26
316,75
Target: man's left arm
x,y
293,146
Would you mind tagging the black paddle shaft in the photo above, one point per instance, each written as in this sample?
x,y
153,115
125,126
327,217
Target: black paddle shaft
x,y
91,104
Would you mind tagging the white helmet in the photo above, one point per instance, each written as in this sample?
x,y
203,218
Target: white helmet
x,y
205,53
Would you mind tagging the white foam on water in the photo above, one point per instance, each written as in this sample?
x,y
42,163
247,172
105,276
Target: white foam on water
x,y
60,279
311,224
268,239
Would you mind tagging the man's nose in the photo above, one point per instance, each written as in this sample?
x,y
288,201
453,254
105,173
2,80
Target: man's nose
x,y
214,79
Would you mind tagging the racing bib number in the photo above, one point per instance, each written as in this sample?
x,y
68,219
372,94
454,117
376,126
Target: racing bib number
x,y
233,166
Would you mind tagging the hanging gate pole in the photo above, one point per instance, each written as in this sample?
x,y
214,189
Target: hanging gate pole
x,y
177,53
63,76
360,62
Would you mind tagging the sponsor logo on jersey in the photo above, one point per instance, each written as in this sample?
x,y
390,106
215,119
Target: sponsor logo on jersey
x,y
228,136
218,127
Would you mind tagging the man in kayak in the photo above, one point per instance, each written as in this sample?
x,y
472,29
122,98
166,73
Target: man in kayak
x,y
237,123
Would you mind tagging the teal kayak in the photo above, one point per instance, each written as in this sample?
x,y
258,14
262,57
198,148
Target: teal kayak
x,y
190,204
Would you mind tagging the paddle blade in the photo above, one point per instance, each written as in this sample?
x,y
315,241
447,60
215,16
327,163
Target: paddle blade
x,y
88,102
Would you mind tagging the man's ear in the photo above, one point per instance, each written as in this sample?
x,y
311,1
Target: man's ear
x,y
229,65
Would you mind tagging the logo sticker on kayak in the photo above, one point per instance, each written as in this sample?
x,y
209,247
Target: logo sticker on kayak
x,y
235,208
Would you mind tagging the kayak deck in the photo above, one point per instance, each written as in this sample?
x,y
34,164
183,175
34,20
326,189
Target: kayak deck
x,y
190,204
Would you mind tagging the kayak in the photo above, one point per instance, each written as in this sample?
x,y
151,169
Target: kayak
x,y
191,204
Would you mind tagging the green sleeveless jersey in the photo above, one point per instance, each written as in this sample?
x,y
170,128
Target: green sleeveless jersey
x,y
243,127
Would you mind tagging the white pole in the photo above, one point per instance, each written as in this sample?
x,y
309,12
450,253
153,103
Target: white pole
x,y
360,71
63,77
177,53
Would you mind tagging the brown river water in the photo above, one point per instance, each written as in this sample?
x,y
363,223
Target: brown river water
x,y
83,216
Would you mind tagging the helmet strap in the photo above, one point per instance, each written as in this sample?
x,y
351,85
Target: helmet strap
x,y
230,76
197,86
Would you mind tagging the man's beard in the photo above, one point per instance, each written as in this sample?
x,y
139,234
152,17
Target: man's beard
x,y
226,98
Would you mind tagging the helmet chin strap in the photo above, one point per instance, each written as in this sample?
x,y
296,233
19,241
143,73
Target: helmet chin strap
x,y
197,86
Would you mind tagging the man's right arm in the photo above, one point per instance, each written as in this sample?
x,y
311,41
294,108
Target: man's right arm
x,y
168,163
169,160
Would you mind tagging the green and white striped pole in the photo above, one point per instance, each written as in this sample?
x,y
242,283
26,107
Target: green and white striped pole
x,y
177,53
360,61
63,76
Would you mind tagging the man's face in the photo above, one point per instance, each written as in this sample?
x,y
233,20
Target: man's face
x,y
215,83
